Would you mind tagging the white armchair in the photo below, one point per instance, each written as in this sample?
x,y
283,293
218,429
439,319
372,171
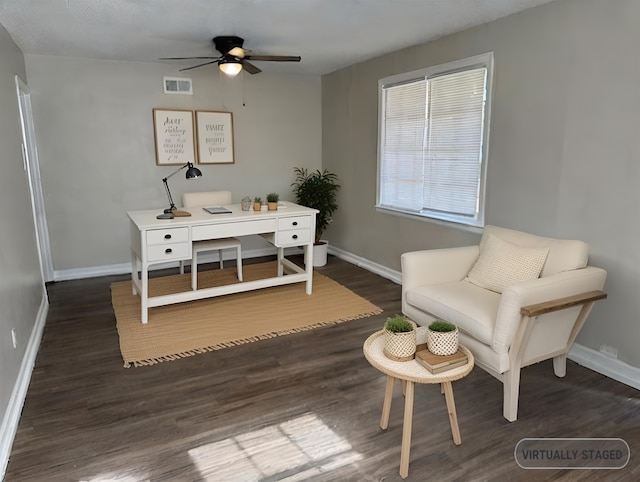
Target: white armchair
x,y
516,298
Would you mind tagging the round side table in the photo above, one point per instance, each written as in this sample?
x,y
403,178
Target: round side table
x,y
411,372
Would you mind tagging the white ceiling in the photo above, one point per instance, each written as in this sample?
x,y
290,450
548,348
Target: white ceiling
x,y
328,34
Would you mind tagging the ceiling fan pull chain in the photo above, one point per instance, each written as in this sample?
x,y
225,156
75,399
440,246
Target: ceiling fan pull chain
x,y
244,103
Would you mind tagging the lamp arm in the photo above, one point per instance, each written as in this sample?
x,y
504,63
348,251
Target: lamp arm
x,y
172,206
175,172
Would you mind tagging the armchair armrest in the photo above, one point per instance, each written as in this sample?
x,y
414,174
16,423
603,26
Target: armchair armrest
x,y
540,291
433,266
562,303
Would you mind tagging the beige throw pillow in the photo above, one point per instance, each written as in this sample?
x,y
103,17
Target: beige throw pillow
x,y
501,264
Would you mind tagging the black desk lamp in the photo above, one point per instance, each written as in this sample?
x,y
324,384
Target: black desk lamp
x,y
172,211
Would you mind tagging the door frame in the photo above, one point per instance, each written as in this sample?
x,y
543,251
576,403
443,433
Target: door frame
x,y
32,168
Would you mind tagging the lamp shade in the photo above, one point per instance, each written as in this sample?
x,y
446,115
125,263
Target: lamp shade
x,y
230,67
193,172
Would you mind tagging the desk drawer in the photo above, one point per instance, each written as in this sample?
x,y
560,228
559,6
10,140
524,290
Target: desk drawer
x,y
296,222
226,230
167,236
168,252
293,237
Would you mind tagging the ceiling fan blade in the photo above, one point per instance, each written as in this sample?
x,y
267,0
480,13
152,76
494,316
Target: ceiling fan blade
x,y
187,58
199,65
249,67
274,58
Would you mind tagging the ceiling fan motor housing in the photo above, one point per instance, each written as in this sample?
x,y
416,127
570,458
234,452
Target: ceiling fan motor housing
x,y
225,43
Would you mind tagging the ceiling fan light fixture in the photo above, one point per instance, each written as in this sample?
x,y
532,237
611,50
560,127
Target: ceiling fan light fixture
x,y
230,67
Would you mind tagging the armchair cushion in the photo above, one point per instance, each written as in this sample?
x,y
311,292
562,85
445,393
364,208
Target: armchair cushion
x,y
502,264
471,308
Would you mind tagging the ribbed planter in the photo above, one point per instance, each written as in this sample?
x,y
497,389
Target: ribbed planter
x,y
320,253
399,346
442,343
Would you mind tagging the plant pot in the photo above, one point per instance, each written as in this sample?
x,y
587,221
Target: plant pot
x,y
257,206
273,206
442,343
399,346
320,253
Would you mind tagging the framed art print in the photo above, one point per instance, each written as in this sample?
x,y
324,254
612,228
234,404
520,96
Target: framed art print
x,y
174,136
215,137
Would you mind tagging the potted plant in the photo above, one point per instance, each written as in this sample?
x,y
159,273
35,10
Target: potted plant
x,y
399,338
442,338
272,201
317,190
257,203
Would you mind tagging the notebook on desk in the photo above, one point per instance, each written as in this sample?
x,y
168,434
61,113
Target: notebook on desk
x,y
217,210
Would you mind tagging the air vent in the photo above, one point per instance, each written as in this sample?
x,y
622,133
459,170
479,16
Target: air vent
x,y
177,85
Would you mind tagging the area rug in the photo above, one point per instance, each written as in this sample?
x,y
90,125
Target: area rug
x,y
186,329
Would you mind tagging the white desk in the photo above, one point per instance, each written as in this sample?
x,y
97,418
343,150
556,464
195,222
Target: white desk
x,y
155,241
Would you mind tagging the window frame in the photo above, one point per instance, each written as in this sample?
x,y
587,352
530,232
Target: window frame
x,y
484,60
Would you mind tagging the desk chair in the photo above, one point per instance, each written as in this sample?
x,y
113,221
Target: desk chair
x,y
208,199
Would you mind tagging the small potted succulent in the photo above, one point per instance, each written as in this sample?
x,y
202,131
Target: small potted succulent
x,y
442,338
272,201
257,203
399,338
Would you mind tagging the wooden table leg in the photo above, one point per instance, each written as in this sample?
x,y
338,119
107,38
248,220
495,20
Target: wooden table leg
x,y
386,406
451,408
406,430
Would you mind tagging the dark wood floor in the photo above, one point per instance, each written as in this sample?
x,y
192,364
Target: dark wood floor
x,y
299,407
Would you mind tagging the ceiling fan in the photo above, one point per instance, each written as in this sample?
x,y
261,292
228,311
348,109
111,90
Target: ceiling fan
x,y
233,57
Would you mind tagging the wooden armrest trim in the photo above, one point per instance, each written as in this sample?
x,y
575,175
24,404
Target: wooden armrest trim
x,y
562,303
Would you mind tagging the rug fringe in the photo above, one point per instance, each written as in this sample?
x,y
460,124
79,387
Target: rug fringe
x,y
244,341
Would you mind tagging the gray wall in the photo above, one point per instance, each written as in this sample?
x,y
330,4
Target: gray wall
x,y
97,157
564,150
21,286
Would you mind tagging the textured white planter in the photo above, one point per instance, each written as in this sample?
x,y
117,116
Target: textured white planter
x,y
320,253
399,346
442,343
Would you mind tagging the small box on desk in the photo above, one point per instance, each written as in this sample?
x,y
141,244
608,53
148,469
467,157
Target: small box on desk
x,y
439,363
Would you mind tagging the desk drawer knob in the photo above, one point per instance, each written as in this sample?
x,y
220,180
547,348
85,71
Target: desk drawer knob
x,y
168,250
167,236
295,223
295,236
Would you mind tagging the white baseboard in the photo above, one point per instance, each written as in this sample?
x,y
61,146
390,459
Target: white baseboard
x,y
14,410
385,272
607,366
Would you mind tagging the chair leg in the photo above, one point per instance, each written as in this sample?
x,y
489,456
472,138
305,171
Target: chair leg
x,y
560,365
511,381
220,258
181,267
194,271
239,262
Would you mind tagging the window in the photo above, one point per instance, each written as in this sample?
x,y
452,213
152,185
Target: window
x,y
433,132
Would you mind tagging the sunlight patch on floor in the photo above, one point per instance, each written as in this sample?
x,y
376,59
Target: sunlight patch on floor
x,y
293,450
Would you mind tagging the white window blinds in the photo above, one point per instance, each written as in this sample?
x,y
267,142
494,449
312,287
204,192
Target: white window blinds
x,y
431,144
